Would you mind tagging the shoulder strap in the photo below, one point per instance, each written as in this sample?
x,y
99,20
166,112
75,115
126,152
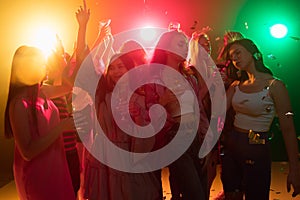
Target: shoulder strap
x,y
271,83
269,86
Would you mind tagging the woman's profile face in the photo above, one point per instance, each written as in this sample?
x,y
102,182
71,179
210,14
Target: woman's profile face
x,y
240,57
116,70
179,46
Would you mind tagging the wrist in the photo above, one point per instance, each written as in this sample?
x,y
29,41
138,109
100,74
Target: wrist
x,y
82,25
294,167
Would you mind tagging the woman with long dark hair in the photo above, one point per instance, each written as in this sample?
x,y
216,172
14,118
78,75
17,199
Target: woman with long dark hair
x,y
40,166
257,97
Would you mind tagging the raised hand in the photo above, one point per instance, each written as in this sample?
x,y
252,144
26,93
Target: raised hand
x,y
83,14
103,32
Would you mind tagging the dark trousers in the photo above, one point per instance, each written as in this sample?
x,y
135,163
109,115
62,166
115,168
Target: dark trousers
x,y
246,167
74,168
188,175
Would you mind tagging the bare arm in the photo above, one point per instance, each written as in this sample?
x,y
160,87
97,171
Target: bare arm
x,y
283,106
103,32
230,92
81,50
62,83
29,147
55,91
82,16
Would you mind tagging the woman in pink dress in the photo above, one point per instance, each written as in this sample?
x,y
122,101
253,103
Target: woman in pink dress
x,y
40,166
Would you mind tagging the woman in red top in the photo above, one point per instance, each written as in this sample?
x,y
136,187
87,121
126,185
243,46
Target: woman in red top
x,y
40,166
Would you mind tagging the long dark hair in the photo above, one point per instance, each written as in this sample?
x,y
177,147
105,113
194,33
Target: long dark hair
x,y
256,54
105,85
20,60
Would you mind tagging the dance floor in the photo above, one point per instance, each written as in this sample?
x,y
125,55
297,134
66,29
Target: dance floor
x,y
277,192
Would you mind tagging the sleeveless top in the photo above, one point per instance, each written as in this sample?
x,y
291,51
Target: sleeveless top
x,y
255,110
46,176
184,94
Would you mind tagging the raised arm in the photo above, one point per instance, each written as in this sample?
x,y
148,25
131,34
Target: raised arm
x,y
61,84
81,50
103,32
82,16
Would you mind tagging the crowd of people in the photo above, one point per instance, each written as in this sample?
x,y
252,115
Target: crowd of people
x,y
54,116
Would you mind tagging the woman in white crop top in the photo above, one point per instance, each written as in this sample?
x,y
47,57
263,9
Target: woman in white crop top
x,y
256,99
187,175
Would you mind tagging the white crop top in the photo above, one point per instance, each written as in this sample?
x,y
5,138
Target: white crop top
x,y
254,111
187,100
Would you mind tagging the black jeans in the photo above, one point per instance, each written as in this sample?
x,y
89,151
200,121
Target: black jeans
x,y
189,175
74,168
246,167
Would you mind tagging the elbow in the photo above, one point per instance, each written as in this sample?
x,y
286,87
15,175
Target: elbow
x,y
27,155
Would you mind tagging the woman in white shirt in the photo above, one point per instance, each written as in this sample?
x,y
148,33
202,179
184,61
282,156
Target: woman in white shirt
x,y
246,166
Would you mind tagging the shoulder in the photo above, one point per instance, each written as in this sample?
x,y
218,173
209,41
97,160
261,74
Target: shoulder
x,y
231,89
277,84
278,89
19,106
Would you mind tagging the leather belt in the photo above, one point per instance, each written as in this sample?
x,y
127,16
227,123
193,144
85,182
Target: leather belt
x,y
254,137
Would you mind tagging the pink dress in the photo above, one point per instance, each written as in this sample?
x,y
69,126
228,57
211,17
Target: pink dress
x,y
46,176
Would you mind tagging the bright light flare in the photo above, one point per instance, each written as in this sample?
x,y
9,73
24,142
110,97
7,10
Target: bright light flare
x,y
278,30
44,38
148,34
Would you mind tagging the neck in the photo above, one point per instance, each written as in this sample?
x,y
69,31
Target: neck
x,y
257,76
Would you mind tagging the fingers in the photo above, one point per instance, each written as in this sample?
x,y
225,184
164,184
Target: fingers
x,y
82,13
84,4
84,9
294,194
80,9
105,30
288,187
296,191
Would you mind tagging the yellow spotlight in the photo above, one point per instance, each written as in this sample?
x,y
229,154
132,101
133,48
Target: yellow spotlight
x,y
44,38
